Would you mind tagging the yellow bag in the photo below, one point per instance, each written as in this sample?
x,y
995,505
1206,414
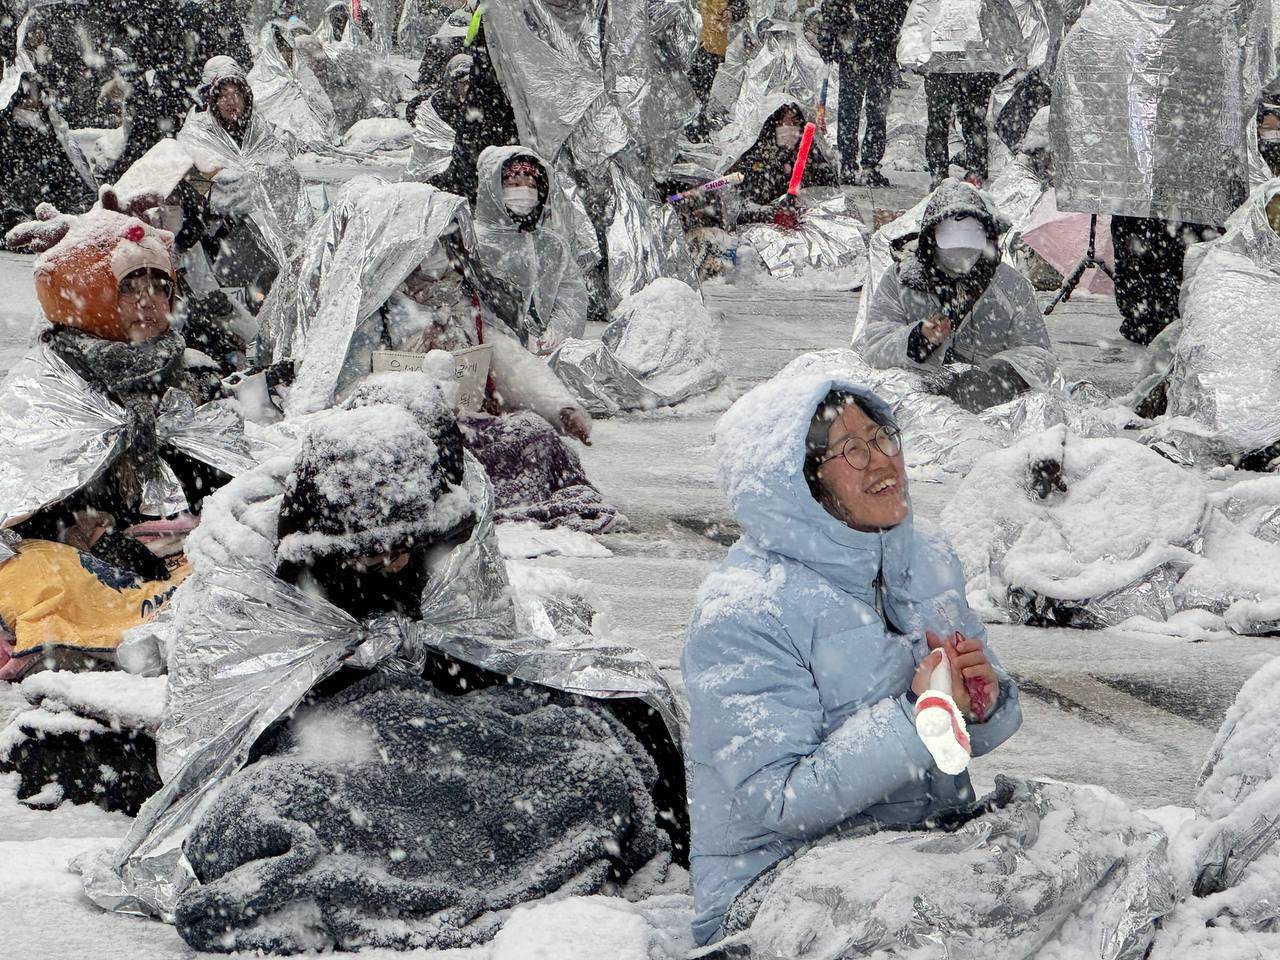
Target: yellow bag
x,y
52,595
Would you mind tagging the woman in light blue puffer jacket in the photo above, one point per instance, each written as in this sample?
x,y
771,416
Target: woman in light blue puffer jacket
x,y
808,645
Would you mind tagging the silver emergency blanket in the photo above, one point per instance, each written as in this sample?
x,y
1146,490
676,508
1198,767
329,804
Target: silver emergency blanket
x,y
291,99
57,434
1151,100
1234,850
249,647
356,76
600,92
372,237
433,141
764,69
645,240
258,175
1053,868
540,265
613,74
1224,370
661,348
830,239
961,36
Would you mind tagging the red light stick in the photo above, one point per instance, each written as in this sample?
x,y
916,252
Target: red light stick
x,y
802,158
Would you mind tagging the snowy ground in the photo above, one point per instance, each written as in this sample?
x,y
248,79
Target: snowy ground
x,y
1133,714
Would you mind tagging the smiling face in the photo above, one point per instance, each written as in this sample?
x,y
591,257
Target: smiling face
x,y
869,498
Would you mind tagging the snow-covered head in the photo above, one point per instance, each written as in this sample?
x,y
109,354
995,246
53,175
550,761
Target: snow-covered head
x,y
225,91
771,455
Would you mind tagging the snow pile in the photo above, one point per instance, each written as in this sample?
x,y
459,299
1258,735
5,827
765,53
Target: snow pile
x,y
526,540
117,699
661,348
1093,532
591,928
1227,858
1052,869
379,135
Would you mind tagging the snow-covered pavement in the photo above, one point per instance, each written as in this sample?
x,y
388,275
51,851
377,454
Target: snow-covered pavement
x,y
1135,714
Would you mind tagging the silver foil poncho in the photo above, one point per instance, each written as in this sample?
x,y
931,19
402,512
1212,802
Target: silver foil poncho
x,y
1150,105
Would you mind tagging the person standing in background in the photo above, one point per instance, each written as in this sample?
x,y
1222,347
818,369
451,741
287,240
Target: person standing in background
x,y
861,38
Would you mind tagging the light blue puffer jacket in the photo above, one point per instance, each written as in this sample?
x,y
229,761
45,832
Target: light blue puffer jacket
x,y
799,662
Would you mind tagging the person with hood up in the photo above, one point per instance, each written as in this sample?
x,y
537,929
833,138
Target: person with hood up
x,y
254,211
481,118
766,167
449,99
351,71
953,300
809,645
525,248
289,95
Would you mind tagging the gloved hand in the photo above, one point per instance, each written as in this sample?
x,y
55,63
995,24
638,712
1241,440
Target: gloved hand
x,y
978,389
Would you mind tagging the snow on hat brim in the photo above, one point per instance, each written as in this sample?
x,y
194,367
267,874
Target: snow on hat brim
x,y
368,480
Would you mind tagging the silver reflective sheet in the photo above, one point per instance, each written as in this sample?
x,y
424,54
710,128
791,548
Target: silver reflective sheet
x,y
248,647
764,69
1058,868
611,76
433,141
962,36
57,434
372,237
645,240
830,239
291,99
1225,375
276,201
598,374
1151,100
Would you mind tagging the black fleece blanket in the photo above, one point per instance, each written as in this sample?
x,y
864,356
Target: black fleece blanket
x,y
395,815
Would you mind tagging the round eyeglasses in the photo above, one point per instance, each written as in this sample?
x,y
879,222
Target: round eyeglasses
x,y
857,452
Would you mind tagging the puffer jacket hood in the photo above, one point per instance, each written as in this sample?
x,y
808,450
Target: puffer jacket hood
x,y
955,198
760,448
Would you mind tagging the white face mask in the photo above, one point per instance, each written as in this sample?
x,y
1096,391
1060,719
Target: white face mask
x,y
786,137
520,200
957,260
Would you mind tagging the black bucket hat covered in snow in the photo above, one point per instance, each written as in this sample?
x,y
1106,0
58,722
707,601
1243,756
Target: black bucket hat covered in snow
x,y
380,474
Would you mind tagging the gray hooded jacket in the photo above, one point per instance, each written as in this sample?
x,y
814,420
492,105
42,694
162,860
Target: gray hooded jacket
x,y
1004,323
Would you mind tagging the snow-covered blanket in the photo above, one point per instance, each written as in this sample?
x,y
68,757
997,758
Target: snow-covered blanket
x,y
940,437
1226,859
662,347
395,815
1048,870
829,239
1092,532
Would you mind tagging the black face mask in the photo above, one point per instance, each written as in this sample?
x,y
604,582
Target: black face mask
x,y
369,593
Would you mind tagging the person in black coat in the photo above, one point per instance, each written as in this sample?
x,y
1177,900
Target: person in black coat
x,y
861,38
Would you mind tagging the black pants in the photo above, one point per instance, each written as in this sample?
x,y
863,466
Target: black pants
x,y
968,96
861,82
1149,256
1029,96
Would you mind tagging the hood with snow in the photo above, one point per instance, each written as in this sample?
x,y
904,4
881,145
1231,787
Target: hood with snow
x,y
217,71
760,448
952,200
